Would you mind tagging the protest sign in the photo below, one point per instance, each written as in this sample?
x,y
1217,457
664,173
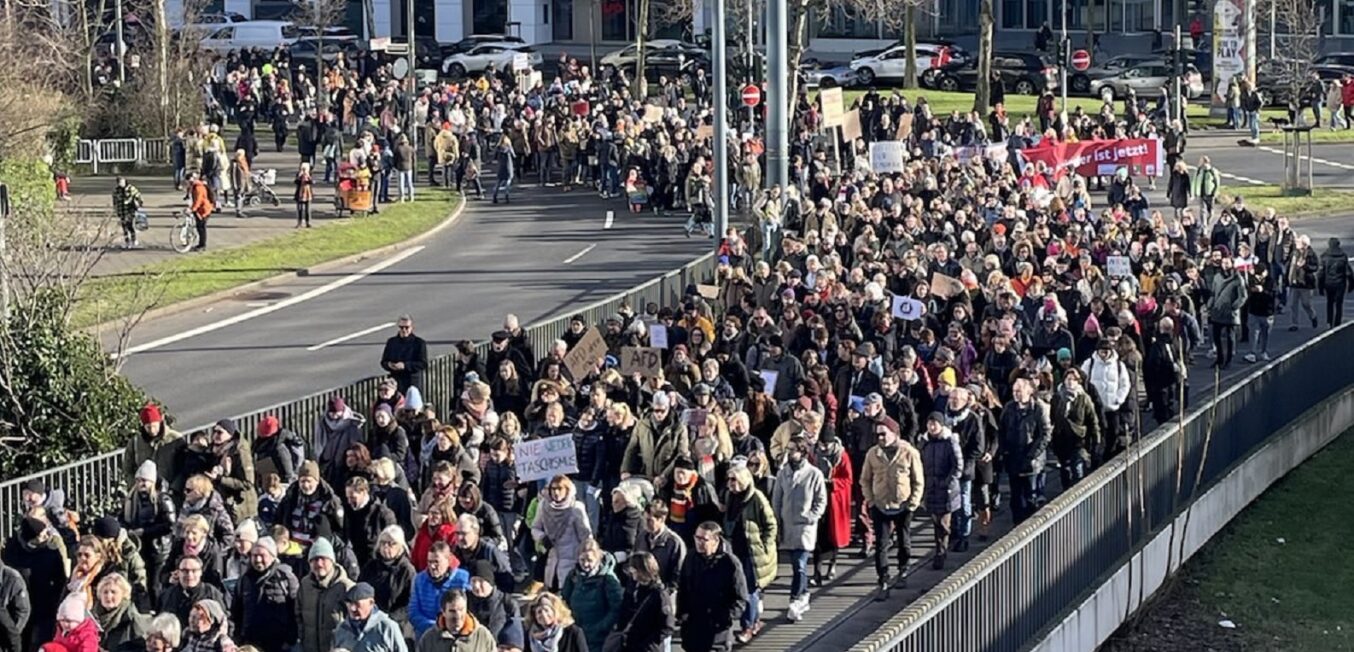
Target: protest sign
x,y
580,359
1092,158
830,101
708,291
851,126
658,336
770,377
907,308
1118,267
904,126
521,62
653,114
888,156
945,286
705,132
545,458
647,361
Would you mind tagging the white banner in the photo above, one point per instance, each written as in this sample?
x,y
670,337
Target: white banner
x,y
542,459
888,156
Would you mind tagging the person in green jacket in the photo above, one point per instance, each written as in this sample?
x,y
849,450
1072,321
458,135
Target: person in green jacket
x,y
593,593
750,526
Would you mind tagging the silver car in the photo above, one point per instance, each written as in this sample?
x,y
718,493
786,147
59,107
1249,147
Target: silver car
x,y
1146,80
824,75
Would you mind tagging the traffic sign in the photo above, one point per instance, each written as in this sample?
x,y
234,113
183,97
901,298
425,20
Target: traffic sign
x,y
1081,59
752,96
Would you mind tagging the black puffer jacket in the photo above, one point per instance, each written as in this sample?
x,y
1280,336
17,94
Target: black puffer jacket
x,y
264,608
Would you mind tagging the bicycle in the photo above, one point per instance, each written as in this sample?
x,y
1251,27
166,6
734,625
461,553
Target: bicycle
x,y
183,233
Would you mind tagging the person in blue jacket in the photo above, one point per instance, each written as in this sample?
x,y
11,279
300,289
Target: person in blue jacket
x,y
442,575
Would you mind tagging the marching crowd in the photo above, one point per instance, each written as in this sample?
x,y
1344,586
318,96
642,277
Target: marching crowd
x,y
878,349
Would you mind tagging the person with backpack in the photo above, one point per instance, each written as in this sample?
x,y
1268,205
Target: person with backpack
x,y
277,450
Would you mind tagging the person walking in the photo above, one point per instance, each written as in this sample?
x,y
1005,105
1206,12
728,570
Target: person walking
x,y
834,529
891,486
1334,278
711,594
1303,267
799,500
1026,432
646,618
319,602
506,156
201,208
942,463
304,194
127,202
1206,185
1076,427
750,529
1261,305
1228,297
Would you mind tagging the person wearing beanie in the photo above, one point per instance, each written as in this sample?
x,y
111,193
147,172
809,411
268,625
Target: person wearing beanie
x,y
264,603
111,533
155,441
321,598
238,560
38,556
335,432
76,631
277,450
208,628
491,607
233,473
310,509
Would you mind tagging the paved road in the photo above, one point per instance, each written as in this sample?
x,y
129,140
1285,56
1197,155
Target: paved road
x,y
496,259
1333,163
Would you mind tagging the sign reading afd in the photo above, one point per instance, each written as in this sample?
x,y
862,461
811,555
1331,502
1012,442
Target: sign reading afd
x,y
542,459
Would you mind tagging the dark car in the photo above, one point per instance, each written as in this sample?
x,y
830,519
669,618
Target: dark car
x,y
306,51
1275,79
1335,59
1023,72
428,52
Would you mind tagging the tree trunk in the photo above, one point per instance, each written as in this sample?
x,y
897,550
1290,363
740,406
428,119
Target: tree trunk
x,y
162,62
369,17
641,43
910,39
983,98
796,46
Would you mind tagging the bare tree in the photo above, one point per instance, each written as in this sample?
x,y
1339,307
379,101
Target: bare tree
x,y
897,15
320,15
982,99
1297,25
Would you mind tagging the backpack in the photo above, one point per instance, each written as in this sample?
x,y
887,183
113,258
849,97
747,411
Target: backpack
x,y
295,447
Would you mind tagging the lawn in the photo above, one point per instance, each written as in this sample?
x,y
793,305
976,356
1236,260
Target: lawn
x,y
1322,200
1280,572
195,275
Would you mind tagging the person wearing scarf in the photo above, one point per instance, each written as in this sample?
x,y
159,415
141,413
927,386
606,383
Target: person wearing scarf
x,y
233,473
562,525
122,626
207,629
799,501
550,627
750,528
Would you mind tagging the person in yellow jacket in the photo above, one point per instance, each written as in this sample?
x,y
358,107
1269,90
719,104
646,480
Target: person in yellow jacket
x,y
448,148
892,485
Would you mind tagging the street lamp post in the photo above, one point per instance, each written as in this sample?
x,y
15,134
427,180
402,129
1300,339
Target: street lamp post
x,y
720,204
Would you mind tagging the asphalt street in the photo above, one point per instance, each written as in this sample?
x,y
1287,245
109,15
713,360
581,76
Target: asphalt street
x,y
545,254
1333,163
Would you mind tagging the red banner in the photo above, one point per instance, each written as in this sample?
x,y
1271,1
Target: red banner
x,y
1142,157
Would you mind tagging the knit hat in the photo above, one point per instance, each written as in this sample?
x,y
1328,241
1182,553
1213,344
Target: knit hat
x,y
147,471
215,612
511,637
267,543
150,414
309,469
413,399
31,527
384,407
322,549
229,426
107,527
35,486
248,531
336,404
938,417
1064,354
482,569
269,426
73,608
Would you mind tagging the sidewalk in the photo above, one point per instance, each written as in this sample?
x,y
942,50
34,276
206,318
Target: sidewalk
x,y
93,196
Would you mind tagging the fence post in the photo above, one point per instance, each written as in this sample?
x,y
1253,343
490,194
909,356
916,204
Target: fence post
x,y
94,156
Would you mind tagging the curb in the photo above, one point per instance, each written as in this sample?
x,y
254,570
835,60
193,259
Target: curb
x,y
197,302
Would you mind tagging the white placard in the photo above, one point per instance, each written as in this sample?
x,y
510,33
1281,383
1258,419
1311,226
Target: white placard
x,y
770,377
658,336
541,459
1118,267
888,156
521,61
908,309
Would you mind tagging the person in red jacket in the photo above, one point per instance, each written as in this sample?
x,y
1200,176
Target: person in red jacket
x,y
202,208
76,631
1347,99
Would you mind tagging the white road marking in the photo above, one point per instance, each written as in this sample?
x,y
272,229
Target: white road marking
x,y
256,304
610,217
1237,177
1322,161
259,312
580,254
350,336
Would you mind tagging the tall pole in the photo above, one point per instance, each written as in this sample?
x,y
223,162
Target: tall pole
x,y
1064,53
120,50
1177,71
720,105
1271,28
411,125
777,99
1249,7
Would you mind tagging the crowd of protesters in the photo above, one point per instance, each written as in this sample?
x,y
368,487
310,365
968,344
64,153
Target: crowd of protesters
x,y
882,348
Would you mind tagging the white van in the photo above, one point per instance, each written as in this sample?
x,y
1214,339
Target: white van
x,y
261,34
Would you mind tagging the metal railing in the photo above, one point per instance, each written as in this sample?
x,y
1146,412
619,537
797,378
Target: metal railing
x,y
140,151
1006,597
88,483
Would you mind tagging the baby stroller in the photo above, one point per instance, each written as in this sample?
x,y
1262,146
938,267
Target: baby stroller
x,y
261,188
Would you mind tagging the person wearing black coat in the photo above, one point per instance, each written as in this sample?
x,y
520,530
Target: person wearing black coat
x,y
310,509
34,554
1177,188
622,525
264,605
391,574
15,609
1026,432
307,137
149,515
405,356
712,593
364,520
491,607
178,597
647,617
1334,278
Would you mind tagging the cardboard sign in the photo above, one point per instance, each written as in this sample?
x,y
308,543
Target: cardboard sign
x,y
770,377
908,309
710,292
888,156
705,132
542,459
581,108
695,418
904,126
851,125
945,286
647,361
580,359
658,336
521,62
830,102
653,114
1118,267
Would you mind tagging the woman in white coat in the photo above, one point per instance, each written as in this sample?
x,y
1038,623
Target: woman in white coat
x,y
799,501
561,524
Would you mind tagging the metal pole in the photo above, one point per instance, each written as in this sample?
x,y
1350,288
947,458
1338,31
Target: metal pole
x,y
1272,22
4,266
720,105
1063,49
118,48
777,85
1249,6
1177,67
411,125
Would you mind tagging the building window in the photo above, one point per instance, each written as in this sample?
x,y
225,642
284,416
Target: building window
x,y
1013,14
563,29
616,23
843,22
490,17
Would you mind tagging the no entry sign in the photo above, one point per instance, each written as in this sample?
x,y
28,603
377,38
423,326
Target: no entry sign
x,y
1081,59
752,96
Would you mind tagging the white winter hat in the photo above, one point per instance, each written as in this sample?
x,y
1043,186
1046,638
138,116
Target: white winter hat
x,y
147,471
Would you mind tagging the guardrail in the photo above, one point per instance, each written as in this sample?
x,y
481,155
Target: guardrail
x,y
88,483
1007,596
140,151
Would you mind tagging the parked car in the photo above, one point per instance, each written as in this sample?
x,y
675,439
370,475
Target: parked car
x,y
1335,59
1147,80
1079,82
306,51
955,50
627,55
1274,79
465,44
262,34
1023,72
500,55
825,75
892,63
